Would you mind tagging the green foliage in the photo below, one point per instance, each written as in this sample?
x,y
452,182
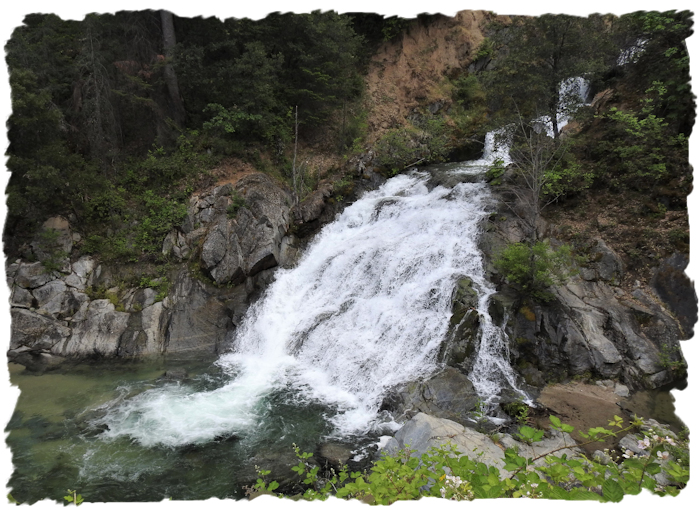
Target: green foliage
x,y
237,201
495,172
533,55
227,121
52,256
469,110
73,497
518,410
428,142
393,27
664,59
642,142
672,359
443,472
533,269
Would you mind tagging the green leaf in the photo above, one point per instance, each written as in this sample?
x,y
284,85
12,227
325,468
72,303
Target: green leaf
x,y
555,421
612,491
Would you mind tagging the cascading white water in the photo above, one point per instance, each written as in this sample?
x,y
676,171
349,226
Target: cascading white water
x,y
366,308
496,147
573,92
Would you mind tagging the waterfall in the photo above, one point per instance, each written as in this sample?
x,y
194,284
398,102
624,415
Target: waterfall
x,y
366,308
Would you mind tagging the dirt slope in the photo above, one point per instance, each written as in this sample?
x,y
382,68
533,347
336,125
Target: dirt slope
x,y
410,70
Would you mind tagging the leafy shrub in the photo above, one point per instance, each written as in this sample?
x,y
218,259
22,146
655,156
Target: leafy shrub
x,y
237,201
443,472
531,269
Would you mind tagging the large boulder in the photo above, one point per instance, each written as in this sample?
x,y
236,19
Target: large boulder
x,y
200,316
423,432
32,275
448,394
98,334
592,329
234,245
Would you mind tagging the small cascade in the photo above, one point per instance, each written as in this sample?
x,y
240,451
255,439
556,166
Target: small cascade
x,y
573,92
496,147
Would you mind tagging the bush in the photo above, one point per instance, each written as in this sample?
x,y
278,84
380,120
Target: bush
x,y
443,473
532,269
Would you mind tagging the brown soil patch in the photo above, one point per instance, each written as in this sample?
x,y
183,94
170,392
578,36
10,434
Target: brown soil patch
x,y
582,406
641,238
232,170
409,71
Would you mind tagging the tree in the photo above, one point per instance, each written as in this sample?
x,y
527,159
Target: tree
x,y
176,107
543,172
534,56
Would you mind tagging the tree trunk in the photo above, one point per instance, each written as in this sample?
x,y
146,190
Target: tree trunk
x,y
177,109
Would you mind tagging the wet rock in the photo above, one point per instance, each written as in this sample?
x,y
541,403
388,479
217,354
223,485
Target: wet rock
x,y
145,332
174,374
199,318
333,455
449,394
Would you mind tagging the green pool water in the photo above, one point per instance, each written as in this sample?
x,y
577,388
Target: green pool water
x,y
57,441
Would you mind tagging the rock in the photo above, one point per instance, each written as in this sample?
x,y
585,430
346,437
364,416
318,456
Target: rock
x,y
423,432
99,333
221,254
631,442
448,394
333,455
621,390
553,440
21,298
49,297
676,290
601,99
200,318
36,332
174,374
602,458
33,275
589,329
145,332
605,264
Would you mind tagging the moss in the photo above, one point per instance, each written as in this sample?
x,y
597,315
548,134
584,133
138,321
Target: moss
x,y
528,313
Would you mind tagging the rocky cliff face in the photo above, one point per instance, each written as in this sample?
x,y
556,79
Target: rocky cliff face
x,y
66,308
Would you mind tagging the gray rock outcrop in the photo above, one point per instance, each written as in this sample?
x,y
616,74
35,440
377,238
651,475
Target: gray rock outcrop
x,y
63,313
